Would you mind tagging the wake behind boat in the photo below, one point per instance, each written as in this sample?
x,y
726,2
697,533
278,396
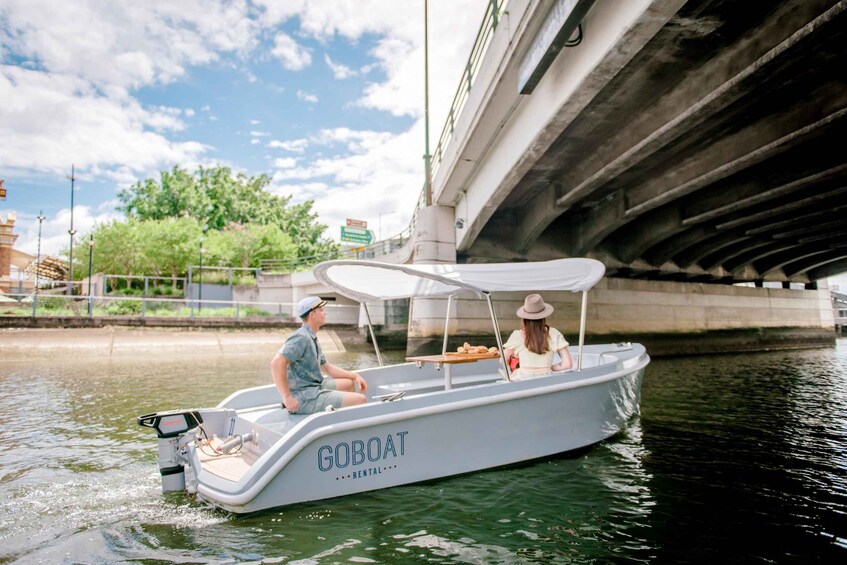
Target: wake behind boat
x,y
432,417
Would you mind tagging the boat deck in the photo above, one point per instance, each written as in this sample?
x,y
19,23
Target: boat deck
x,y
231,466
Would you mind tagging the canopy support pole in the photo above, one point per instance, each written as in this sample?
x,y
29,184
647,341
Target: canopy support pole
x,y
373,337
582,316
446,324
497,336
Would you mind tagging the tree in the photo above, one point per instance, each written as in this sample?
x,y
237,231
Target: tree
x,y
245,246
216,199
169,246
118,249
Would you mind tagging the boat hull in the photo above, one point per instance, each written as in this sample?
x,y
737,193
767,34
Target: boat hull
x,y
432,435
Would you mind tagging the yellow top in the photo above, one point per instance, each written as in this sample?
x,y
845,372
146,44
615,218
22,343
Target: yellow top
x,y
533,364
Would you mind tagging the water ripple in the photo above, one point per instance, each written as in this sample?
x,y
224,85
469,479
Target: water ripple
x,y
734,458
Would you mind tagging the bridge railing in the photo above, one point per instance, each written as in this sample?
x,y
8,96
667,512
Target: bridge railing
x,y
376,250
480,46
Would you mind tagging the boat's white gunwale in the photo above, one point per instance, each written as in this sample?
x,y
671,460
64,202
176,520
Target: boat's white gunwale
x,y
244,497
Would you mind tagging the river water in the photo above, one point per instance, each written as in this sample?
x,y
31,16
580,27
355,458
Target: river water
x,y
734,459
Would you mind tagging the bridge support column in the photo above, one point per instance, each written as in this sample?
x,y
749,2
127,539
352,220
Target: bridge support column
x,y
434,241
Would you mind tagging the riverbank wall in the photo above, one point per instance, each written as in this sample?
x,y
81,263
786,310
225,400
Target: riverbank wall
x,y
121,341
110,341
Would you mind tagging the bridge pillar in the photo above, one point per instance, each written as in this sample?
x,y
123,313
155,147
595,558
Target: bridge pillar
x,y
434,241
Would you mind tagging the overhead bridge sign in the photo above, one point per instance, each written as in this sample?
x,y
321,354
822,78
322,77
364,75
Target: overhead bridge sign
x,y
356,235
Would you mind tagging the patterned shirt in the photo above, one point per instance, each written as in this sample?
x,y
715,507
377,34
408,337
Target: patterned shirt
x,y
304,360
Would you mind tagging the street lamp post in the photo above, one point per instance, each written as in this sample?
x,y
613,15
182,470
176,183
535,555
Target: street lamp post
x,y
381,214
90,256
71,232
40,219
200,279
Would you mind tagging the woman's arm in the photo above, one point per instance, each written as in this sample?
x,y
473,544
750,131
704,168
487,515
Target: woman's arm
x,y
566,361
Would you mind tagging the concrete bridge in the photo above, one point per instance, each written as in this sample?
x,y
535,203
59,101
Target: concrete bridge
x,y
694,140
688,145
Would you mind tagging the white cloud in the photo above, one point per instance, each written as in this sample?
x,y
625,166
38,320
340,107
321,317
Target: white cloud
x,y
76,89
294,145
285,162
399,52
376,169
339,71
255,133
306,97
255,141
254,122
293,56
126,45
54,230
49,114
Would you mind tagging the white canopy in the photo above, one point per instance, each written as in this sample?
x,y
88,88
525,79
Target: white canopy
x,y
371,280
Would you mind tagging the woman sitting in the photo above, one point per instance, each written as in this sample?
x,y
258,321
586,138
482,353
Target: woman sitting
x,y
535,342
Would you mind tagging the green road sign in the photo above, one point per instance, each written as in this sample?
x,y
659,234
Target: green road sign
x,y
356,235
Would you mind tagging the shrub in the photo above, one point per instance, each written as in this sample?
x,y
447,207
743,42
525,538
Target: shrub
x,y
252,311
53,303
128,291
124,308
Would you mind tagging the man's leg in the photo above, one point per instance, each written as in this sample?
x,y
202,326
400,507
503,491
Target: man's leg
x,y
352,399
344,385
343,390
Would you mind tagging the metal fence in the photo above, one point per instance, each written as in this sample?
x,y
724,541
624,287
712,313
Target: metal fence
x,y
151,307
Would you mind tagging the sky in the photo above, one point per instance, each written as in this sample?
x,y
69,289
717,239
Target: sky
x,y
324,96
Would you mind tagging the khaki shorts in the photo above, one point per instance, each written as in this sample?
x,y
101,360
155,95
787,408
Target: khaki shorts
x,y
328,396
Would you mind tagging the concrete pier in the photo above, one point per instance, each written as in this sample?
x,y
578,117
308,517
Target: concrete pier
x,y
670,317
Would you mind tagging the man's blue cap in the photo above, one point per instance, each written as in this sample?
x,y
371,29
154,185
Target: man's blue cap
x,y
308,304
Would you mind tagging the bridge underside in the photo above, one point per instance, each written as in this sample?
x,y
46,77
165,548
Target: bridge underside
x,y
716,155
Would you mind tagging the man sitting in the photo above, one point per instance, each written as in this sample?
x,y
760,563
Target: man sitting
x,y
296,368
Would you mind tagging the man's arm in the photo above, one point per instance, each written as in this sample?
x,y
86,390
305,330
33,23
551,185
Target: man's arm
x,y
279,372
338,373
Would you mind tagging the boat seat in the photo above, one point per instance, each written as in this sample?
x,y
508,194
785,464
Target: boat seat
x,y
437,384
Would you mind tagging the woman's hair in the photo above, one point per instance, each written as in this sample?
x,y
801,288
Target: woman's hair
x,y
535,335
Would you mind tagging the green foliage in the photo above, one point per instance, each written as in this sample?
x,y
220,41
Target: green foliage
x,y
135,247
216,199
53,303
221,276
165,291
246,245
129,291
124,308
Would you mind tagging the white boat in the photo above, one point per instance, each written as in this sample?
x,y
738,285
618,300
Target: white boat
x,y
426,419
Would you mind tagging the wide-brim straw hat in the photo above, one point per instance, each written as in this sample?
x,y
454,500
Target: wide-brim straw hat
x,y
534,308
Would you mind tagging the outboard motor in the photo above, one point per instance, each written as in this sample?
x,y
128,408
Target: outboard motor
x,y
170,427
